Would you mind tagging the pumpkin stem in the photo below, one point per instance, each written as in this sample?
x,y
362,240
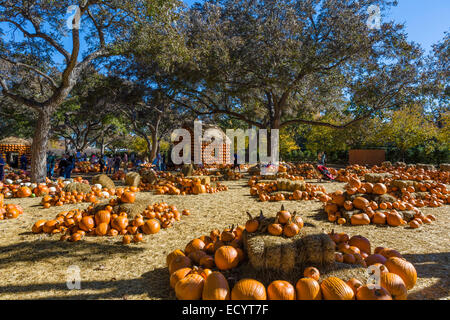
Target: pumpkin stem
x,y
261,215
282,207
249,215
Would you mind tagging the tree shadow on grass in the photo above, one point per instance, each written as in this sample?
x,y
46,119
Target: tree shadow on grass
x,y
44,249
431,265
154,284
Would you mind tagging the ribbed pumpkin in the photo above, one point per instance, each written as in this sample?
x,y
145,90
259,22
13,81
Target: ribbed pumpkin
x,y
280,290
248,289
375,258
370,292
120,223
179,262
283,215
196,256
194,245
360,203
37,227
102,216
216,287
275,228
190,287
87,223
128,197
226,257
172,255
290,229
151,226
308,289
404,269
336,289
360,242
379,218
360,219
102,229
379,188
311,272
394,219
355,284
394,285
388,253
178,275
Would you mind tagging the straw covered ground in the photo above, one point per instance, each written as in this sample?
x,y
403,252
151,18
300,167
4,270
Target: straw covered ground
x,y
36,266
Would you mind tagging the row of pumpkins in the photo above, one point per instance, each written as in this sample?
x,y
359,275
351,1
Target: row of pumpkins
x,y
28,189
336,204
61,197
185,186
75,224
414,173
264,192
193,278
9,211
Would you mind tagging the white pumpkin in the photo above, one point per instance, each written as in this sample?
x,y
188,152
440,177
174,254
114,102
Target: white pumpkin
x,y
98,186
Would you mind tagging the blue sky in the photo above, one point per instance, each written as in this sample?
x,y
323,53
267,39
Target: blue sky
x,y
425,20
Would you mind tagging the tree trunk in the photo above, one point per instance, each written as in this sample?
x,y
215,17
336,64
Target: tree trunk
x,y
39,147
154,147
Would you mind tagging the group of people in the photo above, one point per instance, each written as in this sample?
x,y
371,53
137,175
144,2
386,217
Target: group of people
x,y
109,164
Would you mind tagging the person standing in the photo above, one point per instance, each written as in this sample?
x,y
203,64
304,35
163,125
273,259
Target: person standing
x,y
50,164
102,164
23,162
125,161
69,167
63,163
117,162
2,168
133,159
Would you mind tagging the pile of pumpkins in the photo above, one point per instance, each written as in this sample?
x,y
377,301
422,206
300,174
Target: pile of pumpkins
x,y
197,273
62,197
285,224
338,205
352,171
9,211
86,167
305,170
263,192
75,224
184,186
414,173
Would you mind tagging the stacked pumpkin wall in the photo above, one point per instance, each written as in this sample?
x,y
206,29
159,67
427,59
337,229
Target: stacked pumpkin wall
x,y
6,149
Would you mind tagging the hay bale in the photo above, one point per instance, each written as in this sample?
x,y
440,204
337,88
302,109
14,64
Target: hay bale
x,y
78,187
203,179
345,272
348,214
274,254
429,167
133,179
149,176
384,198
132,209
386,164
187,169
444,167
254,171
402,183
103,180
376,177
410,166
420,195
407,215
400,164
